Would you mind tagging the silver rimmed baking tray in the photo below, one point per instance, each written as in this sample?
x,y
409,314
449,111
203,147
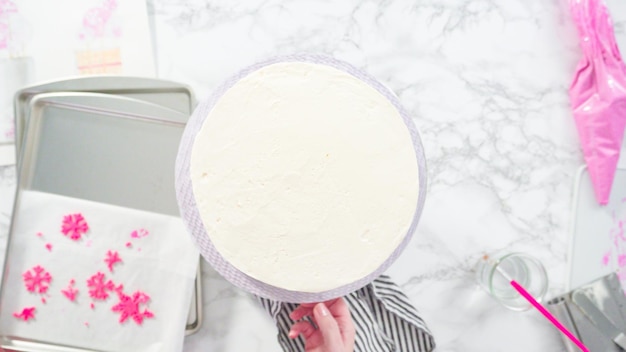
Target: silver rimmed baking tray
x,y
98,137
169,94
173,95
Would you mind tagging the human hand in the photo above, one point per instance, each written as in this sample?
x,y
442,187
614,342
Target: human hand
x,y
335,331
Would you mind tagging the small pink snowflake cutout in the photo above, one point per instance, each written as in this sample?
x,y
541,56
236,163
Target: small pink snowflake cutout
x,y
129,307
70,292
74,226
111,259
139,233
26,314
49,247
98,286
37,279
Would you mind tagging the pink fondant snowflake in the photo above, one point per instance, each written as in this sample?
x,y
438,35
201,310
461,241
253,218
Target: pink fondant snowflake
x,y
49,247
37,279
74,226
112,258
129,307
70,292
26,314
98,286
139,233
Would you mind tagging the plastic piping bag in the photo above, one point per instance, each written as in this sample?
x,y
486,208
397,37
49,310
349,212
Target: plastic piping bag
x,y
598,94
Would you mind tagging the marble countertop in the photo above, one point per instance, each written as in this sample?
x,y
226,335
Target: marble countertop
x,y
486,82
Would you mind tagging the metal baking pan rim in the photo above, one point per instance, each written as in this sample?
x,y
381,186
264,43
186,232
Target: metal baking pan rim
x,y
190,328
141,85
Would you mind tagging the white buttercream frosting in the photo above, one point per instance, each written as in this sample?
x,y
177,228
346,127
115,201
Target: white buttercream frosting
x,y
305,177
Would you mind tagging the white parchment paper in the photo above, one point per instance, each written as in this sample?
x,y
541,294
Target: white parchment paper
x,y
162,264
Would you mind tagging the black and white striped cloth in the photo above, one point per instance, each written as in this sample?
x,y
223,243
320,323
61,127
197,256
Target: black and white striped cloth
x,y
384,319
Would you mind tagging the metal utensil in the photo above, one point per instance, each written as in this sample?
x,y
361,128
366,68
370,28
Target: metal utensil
x,y
606,326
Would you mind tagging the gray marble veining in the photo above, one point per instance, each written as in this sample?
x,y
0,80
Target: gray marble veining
x,y
486,82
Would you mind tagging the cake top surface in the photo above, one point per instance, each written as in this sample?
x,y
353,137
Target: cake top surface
x,y
305,179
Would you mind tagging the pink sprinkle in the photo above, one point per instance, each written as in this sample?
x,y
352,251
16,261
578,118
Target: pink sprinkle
x,y
43,300
98,287
128,244
621,260
139,233
70,292
606,258
74,225
38,280
49,247
129,307
87,324
112,259
26,314
93,306
39,234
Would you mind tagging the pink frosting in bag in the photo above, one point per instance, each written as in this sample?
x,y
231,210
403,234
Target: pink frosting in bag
x,y
598,94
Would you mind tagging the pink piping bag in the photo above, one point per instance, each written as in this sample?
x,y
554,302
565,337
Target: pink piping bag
x,y
598,94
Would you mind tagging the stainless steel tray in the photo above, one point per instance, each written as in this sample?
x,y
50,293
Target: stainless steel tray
x,y
124,133
175,96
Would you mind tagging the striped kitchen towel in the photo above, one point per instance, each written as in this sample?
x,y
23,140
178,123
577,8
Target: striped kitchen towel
x,y
384,319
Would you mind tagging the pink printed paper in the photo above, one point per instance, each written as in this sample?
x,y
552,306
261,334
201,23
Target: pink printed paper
x,y
74,279
74,226
598,94
37,279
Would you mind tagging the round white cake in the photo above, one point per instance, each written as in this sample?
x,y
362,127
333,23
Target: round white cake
x,y
304,176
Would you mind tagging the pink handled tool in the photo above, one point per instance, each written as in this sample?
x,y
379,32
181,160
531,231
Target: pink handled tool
x,y
522,291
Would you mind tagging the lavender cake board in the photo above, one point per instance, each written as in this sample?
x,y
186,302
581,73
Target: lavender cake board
x,y
191,215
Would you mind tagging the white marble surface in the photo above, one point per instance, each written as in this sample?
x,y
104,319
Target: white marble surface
x,y
487,83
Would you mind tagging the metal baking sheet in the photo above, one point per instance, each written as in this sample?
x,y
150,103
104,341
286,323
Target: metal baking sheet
x,y
175,96
78,126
